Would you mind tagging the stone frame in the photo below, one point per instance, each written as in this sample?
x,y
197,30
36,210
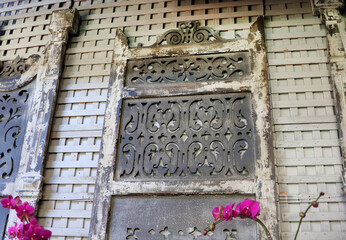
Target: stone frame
x,y
263,186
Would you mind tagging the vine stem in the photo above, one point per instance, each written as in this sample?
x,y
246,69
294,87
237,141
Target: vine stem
x,y
265,229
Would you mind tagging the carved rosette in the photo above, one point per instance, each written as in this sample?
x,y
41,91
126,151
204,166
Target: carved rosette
x,y
190,32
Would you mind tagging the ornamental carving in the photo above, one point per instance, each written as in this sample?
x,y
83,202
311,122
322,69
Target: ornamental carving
x,y
166,233
192,137
184,218
16,75
198,68
17,68
188,32
12,129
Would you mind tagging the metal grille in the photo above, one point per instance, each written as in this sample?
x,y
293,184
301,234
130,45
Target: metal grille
x,y
186,137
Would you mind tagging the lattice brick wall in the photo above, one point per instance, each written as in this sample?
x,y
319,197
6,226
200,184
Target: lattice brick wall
x,y
306,140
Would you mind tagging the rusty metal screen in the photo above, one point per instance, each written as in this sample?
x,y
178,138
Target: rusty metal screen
x,y
186,137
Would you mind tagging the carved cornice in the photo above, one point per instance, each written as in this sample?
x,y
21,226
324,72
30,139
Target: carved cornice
x,y
188,32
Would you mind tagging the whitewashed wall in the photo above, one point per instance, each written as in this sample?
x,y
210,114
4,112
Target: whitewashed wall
x,y
306,141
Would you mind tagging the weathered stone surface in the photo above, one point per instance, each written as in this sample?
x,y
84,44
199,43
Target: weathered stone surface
x,y
174,218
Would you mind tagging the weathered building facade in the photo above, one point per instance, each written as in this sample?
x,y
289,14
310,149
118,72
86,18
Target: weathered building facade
x,y
132,119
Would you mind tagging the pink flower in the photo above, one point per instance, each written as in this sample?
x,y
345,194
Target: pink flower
x,y
248,208
10,203
25,211
13,231
18,201
36,232
218,213
229,213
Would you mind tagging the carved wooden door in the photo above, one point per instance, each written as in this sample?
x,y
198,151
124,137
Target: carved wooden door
x,y
186,129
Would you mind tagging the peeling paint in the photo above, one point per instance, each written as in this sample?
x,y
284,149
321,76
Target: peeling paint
x,y
263,185
46,69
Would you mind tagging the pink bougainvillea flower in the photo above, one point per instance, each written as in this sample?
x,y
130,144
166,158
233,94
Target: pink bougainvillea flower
x,y
25,211
229,213
248,208
13,231
218,213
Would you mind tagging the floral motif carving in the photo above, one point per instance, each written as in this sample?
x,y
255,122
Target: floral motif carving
x,y
12,126
186,137
188,32
199,68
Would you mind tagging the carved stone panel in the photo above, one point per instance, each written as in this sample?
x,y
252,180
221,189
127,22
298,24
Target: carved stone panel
x,y
175,218
199,68
190,137
13,119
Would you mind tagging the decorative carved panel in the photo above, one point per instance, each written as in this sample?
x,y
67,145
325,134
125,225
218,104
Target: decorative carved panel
x,y
198,68
147,218
188,32
11,74
190,137
13,119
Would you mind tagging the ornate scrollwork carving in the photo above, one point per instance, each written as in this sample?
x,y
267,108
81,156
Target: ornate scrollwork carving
x,y
186,137
201,68
17,74
12,126
17,68
188,32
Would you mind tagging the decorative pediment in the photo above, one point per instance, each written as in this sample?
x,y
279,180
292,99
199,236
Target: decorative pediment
x,y
188,32
17,67
17,74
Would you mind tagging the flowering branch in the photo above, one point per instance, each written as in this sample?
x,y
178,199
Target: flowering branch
x,y
246,209
303,214
28,229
